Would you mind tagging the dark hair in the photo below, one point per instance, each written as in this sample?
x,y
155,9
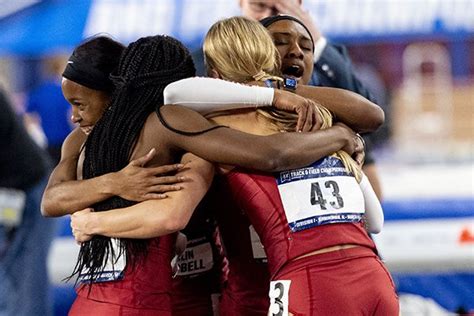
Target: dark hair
x,y
269,20
147,66
92,62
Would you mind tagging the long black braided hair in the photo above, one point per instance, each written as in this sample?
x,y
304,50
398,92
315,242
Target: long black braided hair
x,y
146,67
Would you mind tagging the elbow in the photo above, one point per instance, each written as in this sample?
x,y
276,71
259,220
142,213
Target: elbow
x,y
169,94
375,228
377,118
175,224
47,209
373,116
276,160
285,158
50,206
273,164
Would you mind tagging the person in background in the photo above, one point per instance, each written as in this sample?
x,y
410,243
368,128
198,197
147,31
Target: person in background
x,y
47,107
332,64
25,237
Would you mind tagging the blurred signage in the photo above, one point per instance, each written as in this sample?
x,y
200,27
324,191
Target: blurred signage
x,y
189,20
392,17
428,244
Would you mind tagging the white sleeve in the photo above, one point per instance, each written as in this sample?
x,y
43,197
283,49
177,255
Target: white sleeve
x,y
373,208
205,95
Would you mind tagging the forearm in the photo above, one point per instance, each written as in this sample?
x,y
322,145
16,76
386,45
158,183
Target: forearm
x,y
301,149
153,218
373,209
370,171
348,107
70,196
205,95
144,220
276,152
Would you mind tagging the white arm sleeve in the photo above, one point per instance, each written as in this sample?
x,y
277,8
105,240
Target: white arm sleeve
x,y
373,208
205,95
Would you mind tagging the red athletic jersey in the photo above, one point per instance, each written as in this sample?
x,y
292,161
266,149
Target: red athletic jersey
x,y
245,290
146,287
199,266
258,197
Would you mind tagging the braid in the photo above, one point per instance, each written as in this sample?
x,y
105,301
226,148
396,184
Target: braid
x,y
146,67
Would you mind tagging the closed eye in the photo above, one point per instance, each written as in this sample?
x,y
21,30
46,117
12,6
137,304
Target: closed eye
x,y
277,42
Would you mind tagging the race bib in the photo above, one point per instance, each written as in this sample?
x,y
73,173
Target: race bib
x,y
196,258
258,250
114,269
323,193
12,203
279,292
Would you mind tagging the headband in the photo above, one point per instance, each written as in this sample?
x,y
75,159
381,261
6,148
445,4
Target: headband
x,y
81,72
266,22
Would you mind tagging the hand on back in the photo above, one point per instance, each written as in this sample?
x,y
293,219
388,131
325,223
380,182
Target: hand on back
x,y
354,146
136,182
308,119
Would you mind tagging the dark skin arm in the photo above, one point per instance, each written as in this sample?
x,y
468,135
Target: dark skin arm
x,y
132,182
150,218
223,145
276,152
351,108
357,112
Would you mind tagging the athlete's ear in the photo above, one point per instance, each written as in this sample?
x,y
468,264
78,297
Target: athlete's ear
x,y
213,73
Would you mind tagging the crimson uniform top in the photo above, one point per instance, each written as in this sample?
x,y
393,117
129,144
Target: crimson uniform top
x,y
258,196
147,286
324,207
245,289
198,272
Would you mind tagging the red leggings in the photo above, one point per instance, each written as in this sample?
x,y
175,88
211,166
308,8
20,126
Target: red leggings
x,y
83,306
351,281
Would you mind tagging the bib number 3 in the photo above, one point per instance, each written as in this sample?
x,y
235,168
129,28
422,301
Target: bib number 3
x,y
279,297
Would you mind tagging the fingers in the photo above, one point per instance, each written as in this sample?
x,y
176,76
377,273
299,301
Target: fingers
x,y
166,169
308,124
317,121
302,111
359,151
80,238
359,157
140,162
162,180
155,196
164,188
360,143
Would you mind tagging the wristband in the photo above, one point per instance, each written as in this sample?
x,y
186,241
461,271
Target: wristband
x,y
269,83
289,84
